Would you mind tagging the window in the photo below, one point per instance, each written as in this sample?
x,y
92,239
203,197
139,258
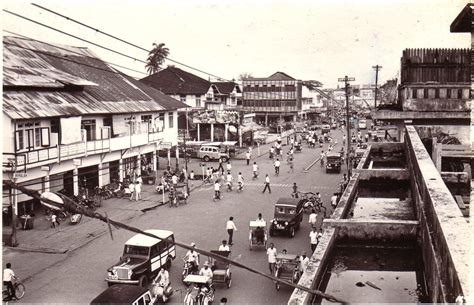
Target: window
x,y
170,119
182,98
146,118
161,120
198,101
89,127
414,93
30,135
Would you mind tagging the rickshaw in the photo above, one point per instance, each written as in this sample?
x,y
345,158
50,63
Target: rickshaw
x,y
176,196
199,291
287,268
258,234
221,269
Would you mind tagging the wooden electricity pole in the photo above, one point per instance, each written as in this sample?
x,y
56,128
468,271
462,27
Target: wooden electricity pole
x,y
346,81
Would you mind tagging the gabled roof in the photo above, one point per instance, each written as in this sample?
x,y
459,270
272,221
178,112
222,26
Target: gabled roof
x,y
226,87
463,22
175,81
280,76
46,80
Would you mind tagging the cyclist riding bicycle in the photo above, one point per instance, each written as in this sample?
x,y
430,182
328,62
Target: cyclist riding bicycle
x,y
8,277
217,189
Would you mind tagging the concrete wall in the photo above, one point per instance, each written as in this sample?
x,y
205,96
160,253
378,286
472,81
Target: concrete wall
x,y
374,230
462,132
444,232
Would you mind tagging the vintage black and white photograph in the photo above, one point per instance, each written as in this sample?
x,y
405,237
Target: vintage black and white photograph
x,y
237,152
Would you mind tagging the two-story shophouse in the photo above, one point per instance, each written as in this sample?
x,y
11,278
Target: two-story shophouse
x,y
71,121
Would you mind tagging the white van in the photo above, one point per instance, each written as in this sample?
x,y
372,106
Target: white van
x,y
208,153
362,124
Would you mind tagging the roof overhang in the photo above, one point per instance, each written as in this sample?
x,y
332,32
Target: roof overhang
x,y
463,22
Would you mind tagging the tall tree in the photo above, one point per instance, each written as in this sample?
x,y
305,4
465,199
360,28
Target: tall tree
x,y
156,57
244,75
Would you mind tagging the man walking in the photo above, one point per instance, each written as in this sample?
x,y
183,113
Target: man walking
x,y
230,226
267,185
247,156
272,253
313,236
138,190
221,167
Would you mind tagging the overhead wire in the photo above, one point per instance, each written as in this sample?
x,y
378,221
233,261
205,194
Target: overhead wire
x,y
73,207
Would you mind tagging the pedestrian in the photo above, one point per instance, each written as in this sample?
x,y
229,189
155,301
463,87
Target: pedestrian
x,y
313,237
313,217
272,253
174,179
304,261
140,179
247,156
223,301
54,220
228,166
191,175
290,164
267,185
255,170
221,167
334,200
277,166
131,187
138,191
295,190
224,246
230,226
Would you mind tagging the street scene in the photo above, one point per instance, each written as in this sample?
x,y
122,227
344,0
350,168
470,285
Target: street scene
x,y
137,175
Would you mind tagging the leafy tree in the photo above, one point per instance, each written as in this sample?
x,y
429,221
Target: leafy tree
x,y
156,58
244,75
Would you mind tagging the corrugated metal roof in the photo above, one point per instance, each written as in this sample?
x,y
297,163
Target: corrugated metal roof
x,y
38,84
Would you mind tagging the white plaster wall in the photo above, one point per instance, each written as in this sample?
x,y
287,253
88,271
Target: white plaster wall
x,y
7,134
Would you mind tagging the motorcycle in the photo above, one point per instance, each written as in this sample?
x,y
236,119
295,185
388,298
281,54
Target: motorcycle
x,y
162,293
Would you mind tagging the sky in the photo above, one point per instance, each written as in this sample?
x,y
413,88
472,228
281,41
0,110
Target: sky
x,y
310,40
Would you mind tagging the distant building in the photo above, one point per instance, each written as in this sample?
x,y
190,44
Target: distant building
x,y
434,93
193,90
272,99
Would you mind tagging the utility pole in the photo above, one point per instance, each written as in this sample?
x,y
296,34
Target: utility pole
x,y
377,69
346,81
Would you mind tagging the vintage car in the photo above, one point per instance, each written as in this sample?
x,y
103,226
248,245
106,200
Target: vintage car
x,y
124,294
288,216
208,153
142,258
334,162
326,128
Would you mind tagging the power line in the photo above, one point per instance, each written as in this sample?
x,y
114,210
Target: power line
x,y
124,41
71,206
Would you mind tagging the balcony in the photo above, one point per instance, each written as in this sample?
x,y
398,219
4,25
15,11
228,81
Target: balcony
x,y
43,156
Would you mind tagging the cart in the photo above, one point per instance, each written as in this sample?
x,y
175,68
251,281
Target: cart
x,y
199,291
258,234
287,269
221,269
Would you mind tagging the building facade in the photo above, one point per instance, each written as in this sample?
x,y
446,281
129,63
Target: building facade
x,y
71,122
272,99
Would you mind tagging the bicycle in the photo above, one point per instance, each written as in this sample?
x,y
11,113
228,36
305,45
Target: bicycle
x,y
18,288
218,197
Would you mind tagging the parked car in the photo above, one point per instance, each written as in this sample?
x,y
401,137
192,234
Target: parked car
x,y
287,216
333,162
362,124
142,258
208,153
124,294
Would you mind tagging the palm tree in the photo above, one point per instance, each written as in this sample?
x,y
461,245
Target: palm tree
x,y
156,57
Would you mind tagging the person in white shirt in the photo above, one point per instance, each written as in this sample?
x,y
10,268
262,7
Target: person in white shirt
x,y
192,257
224,246
228,166
277,166
304,261
334,200
229,180
247,157
230,226
240,181
313,237
191,175
272,253
267,185
206,271
217,189
138,191
313,217
174,179
164,277
255,170
8,277
131,188
140,179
